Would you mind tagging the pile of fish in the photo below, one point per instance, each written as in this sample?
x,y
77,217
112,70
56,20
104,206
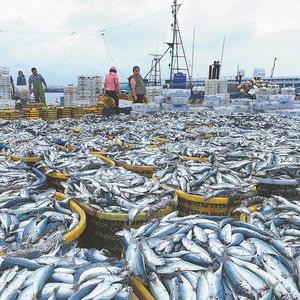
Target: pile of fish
x,y
119,191
17,176
269,168
278,216
71,162
35,147
197,257
80,274
189,149
205,179
33,221
133,138
105,146
146,157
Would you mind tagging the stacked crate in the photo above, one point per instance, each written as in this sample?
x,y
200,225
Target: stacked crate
x,y
89,89
215,86
152,92
176,99
64,112
6,101
70,95
9,114
48,113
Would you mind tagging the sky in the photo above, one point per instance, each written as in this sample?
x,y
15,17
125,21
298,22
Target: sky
x,y
67,38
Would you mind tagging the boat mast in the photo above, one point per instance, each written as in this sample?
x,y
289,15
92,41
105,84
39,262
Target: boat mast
x,y
177,43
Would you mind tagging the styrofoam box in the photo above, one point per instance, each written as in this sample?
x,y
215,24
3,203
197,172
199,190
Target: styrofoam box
x,y
224,109
288,91
172,107
176,93
211,103
7,104
159,99
241,101
145,108
179,100
262,97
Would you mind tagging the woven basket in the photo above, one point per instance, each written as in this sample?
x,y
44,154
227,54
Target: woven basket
x,y
103,226
287,191
75,233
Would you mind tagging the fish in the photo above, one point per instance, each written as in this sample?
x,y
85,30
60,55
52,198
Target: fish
x,y
235,259
205,179
43,279
118,190
33,219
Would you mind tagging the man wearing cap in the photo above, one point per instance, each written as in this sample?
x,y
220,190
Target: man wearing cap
x,y
111,85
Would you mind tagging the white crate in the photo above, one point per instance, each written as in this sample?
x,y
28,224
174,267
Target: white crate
x,y
241,101
179,100
224,109
7,104
176,93
159,99
288,91
145,108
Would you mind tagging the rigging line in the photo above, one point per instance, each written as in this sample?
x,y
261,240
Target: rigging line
x,y
107,49
109,53
95,31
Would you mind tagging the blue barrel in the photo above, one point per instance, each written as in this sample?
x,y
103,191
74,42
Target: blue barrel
x,y
179,80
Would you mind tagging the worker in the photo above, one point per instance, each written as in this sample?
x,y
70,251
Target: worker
x,y
111,85
21,80
37,81
12,85
137,85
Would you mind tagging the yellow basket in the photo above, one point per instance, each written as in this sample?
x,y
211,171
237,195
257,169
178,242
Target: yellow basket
x,y
243,217
287,191
75,233
129,145
64,112
188,158
76,112
27,159
189,204
96,152
103,226
139,289
160,139
56,178
31,113
209,136
48,113
9,114
92,110
146,171
76,130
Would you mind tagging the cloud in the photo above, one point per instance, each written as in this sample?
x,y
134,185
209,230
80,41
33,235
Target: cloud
x,y
255,34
